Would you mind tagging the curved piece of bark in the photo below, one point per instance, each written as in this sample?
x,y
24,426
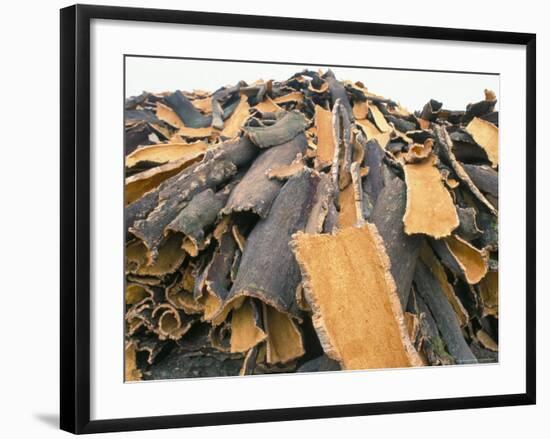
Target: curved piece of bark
x,y
136,293
484,177
186,111
137,185
233,125
168,115
256,191
268,270
267,106
344,150
485,135
462,258
430,260
488,292
199,215
285,129
360,109
402,249
172,324
430,208
325,137
379,119
169,259
284,339
321,205
373,183
429,289
149,344
175,197
373,133
246,327
217,279
445,148
468,229
429,341
337,91
373,333
480,108
131,371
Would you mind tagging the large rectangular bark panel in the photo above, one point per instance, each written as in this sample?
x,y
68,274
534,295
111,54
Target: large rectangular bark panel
x,y
356,310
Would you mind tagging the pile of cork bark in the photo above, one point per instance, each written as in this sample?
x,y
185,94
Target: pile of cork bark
x,y
307,225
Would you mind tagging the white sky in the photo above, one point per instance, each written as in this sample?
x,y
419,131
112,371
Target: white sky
x,y
411,88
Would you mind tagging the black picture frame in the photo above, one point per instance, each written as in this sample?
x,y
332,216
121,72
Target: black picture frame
x,y
75,217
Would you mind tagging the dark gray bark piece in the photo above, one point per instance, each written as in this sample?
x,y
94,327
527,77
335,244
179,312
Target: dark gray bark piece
x,y
444,148
489,226
446,257
240,152
186,111
150,345
402,249
338,91
184,364
373,183
429,289
172,200
217,115
200,214
135,116
137,135
431,110
283,130
484,177
320,364
400,124
483,355
256,191
429,342
467,228
320,207
478,109
491,117
268,269
218,276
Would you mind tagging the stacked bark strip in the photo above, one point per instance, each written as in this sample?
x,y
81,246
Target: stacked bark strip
x,y
307,225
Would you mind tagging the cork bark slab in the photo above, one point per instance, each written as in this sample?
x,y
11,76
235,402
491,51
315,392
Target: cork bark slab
x,y
430,208
486,135
356,310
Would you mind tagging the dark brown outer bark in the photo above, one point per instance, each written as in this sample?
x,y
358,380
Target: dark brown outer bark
x,y
447,258
430,341
467,228
444,147
478,109
201,213
373,183
218,277
430,291
208,175
284,130
338,91
268,269
186,111
256,191
402,249
484,177
240,152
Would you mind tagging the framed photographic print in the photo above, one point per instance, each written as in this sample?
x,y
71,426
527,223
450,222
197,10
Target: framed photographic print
x,y
275,218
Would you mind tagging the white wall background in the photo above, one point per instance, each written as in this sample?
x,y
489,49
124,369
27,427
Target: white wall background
x,y
30,205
